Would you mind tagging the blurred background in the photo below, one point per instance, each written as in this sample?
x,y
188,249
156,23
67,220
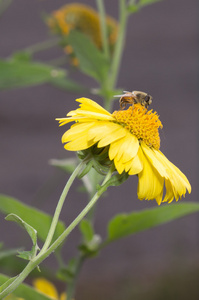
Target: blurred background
x,y
161,58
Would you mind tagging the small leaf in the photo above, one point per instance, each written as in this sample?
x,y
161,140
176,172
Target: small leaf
x,y
86,229
34,217
28,255
17,73
67,273
91,61
86,169
133,8
123,225
116,180
68,165
25,291
30,230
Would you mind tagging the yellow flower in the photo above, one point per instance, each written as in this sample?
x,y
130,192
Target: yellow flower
x,y
133,140
83,18
46,287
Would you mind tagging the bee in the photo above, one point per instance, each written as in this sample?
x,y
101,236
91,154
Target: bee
x,y
134,97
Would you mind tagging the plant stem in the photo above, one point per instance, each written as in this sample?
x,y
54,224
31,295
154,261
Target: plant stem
x,y
102,13
71,286
117,56
59,207
43,255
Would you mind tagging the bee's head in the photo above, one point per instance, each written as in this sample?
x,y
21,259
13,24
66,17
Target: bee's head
x,y
148,99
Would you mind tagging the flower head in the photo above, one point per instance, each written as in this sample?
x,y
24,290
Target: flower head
x,y
133,140
85,19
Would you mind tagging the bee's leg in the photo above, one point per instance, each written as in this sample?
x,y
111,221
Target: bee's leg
x,y
122,104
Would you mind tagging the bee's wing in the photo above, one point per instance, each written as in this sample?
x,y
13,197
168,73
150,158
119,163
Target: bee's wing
x,y
126,93
118,95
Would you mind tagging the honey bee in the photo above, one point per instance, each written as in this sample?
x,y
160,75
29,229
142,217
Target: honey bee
x,y
134,97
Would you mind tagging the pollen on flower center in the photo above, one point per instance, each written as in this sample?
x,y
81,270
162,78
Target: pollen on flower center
x,y
142,123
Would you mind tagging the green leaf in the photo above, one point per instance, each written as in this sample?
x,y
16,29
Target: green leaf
x,y
123,225
147,2
7,283
67,273
34,217
25,291
68,165
30,230
133,8
32,233
69,85
91,61
86,229
8,252
17,73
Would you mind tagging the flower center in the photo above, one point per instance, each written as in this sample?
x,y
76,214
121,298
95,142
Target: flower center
x,y
142,123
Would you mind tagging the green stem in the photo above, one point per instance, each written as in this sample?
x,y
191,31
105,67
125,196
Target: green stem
x,y
102,13
43,255
59,206
71,286
117,56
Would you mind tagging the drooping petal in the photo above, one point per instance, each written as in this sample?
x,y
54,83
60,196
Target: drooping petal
x,y
154,160
150,183
118,149
123,151
136,165
179,182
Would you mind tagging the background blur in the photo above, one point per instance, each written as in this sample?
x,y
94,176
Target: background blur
x,y
161,58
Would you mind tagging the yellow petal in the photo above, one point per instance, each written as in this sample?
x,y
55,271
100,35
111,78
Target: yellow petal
x,y
76,131
80,143
126,147
129,147
136,165
106,133
149,152
46,287
150,184
178,179
78,113
90,105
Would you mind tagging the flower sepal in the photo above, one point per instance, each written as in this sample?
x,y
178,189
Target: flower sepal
x,y
97,158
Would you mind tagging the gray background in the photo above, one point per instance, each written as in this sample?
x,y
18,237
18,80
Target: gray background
x,y
161,58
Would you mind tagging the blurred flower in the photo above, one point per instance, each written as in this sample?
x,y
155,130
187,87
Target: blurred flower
x,y
46,287
133,139
85,19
